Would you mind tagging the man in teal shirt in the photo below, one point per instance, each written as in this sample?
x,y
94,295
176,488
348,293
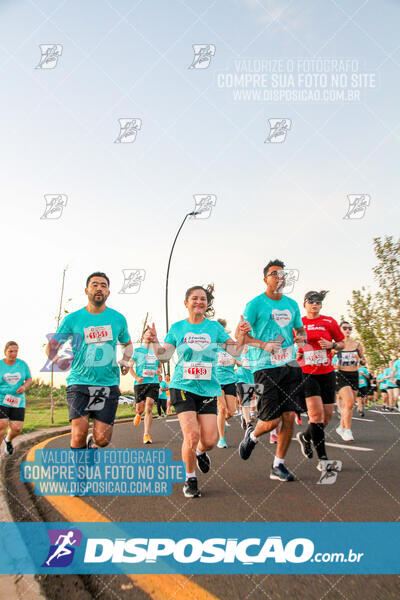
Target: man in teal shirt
x,y
270,319
93,383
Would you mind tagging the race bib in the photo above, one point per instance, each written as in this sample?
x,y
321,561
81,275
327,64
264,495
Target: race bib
x,y
12,378
99,333
245,362
225,359
348,359
284,355
13,401
315,357
197,370
148,373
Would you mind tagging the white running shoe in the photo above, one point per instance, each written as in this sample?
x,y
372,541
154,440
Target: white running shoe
x,y
339,431
347,435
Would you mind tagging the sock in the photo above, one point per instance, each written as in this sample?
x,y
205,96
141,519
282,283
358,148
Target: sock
x,y
278,461
198,452
307,434
253,437
318,438
188,475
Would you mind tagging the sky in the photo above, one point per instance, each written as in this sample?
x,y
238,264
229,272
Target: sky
x,y
201,131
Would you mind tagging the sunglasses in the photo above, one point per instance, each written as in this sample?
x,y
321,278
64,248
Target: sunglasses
x,y
314,301
347,328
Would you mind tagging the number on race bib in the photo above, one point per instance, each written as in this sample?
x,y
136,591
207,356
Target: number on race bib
x,y
13,401
315,357
284,355
197,370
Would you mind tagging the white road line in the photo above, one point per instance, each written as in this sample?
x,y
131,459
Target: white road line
x,y
346,446
384,412
362,419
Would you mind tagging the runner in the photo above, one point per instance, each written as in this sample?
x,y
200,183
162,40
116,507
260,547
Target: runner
x,y
15,378
347,379
194,386
162,398
271,318
146,373
93,383
315,358
381,380
245,384
227,378
364,378
373,389
391,385
396,366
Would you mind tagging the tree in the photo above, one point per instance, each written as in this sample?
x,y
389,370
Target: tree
x,y
376,316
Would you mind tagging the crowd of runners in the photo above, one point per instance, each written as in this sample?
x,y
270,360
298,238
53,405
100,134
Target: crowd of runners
x,y
277,368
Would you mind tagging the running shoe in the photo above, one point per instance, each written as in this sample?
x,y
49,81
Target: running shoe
x,y
222,443
273,438
9,446
281,473
298,419
243,423
147,439
136,420
190,489
347,435
89,441
339,431
247,445
227,425
305,445
203,462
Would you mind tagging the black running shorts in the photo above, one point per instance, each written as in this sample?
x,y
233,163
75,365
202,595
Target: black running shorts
x,y
282,392
12,413
99,402
363,391
347,378
186,401
322,385
146,390
229,389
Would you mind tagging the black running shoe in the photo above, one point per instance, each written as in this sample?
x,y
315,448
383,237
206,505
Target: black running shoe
x,y
247,445
305,445
203,462
281,473
9,446
190,489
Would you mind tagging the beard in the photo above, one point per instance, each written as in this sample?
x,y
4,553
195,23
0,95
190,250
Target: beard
x,y
97,300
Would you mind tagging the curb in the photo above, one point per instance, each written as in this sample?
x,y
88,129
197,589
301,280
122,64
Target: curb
x,y
25,587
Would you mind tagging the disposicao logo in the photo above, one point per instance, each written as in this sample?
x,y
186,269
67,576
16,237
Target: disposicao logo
x,y
61,551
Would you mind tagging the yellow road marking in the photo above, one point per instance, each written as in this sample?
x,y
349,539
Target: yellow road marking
x,y
158,587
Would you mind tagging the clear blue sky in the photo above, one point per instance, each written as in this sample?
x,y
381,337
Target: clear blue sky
x,y
126,201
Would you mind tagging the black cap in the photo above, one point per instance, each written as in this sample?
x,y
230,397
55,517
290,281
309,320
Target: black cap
x,y
314,296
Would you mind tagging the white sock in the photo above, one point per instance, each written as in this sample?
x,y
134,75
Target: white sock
x,y
190,475
278,461
198,452
253,437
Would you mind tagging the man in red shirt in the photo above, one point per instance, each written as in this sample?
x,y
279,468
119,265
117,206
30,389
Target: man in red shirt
x,y
315,359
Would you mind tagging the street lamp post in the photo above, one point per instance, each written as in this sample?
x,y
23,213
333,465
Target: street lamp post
x,y
191,214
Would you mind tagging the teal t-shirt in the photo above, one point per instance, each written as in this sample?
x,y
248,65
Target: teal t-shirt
x,y
94,339
225,368
268,319
362,379
396,365
163,394
380,378
244,373
11,378
387,373
197,347
146,364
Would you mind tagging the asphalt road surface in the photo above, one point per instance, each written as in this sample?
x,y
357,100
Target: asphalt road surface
x,y
234,490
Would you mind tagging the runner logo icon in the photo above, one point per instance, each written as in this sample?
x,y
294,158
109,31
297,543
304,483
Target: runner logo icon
x,y
203,54
128,129
132,280
358,204
61,551
55,204
203,205
50,54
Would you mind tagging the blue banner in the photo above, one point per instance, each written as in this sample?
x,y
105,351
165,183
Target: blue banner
x,y
199,548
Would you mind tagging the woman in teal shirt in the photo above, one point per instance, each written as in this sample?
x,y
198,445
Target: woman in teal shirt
x,y
15,378
194,386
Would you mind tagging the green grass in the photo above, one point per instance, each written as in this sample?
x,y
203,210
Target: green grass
x,y
37,414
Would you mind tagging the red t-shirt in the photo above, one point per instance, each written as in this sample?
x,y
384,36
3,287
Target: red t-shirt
x,y
316,360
